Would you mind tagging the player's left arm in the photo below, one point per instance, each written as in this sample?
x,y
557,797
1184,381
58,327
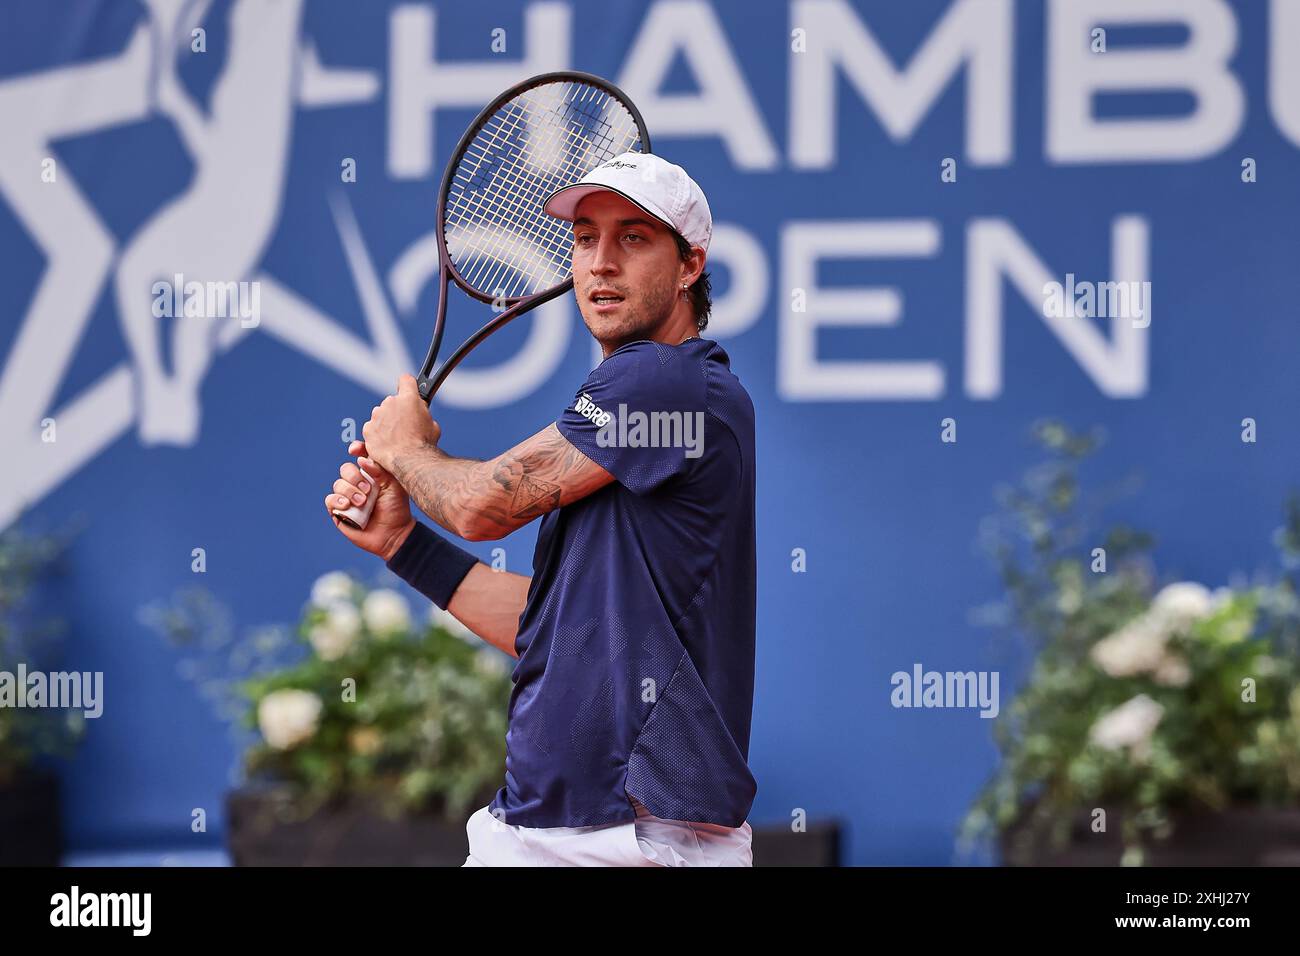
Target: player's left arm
x,y
476,500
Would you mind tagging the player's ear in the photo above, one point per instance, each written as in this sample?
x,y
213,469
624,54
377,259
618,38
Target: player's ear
x,y
693,265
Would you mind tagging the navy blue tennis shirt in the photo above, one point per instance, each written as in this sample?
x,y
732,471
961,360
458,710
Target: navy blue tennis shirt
x,y
636,644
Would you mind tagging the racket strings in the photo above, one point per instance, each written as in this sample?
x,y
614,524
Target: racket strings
x,y
501,241
495,137
510,192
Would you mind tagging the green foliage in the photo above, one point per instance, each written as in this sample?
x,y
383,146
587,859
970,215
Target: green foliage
x,y
25,733
359,702
1137,700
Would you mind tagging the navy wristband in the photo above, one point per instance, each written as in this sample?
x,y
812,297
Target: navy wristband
x,y
431,564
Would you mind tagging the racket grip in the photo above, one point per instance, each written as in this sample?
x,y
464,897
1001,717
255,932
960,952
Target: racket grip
x,y
358,516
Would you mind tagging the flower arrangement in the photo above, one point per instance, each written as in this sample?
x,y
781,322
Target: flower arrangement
x,y
359,700
413,715
1142,698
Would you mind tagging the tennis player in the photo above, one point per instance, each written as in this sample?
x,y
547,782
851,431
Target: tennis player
x,y
629,720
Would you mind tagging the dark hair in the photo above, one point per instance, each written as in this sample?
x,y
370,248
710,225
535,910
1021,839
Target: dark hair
x,y
701,292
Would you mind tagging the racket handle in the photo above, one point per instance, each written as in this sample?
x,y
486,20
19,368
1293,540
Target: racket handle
x,y
358,516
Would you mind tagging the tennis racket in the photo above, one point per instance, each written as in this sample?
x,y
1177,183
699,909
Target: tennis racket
x,y
495,241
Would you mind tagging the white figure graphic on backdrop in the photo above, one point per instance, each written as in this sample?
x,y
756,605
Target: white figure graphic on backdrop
x,y
218,229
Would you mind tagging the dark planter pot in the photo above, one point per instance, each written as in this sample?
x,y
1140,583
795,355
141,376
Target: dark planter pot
x,y
778,845
1237,836
261,832
31,830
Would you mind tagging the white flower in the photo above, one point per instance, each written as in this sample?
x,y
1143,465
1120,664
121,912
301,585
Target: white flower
x,y
1069,600
490,662
1139,647
1129,725
1179,605
1136,648
334,636
332,588
288,717
448,622
1173,671
386,612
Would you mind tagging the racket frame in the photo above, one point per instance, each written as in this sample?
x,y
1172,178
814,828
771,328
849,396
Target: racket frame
x,y
516,306
428,381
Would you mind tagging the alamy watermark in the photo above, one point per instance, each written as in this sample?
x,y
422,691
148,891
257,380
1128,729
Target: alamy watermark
x,y
208,300
1116,300
76,690
129,910
954,689
638,429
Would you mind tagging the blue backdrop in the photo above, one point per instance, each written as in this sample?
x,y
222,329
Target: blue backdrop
x,y
892,184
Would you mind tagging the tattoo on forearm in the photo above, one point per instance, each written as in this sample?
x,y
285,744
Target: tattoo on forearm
x,y
532,479
431,487
534,498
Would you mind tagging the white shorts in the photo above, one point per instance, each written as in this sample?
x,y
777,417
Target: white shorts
x,y
647,841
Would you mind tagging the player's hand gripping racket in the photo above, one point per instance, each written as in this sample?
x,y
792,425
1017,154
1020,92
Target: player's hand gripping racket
x,y
494,239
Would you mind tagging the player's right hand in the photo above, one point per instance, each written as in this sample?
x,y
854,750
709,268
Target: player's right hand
x,y
390,522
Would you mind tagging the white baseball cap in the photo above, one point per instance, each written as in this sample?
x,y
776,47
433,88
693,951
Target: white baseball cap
x,y
661,188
